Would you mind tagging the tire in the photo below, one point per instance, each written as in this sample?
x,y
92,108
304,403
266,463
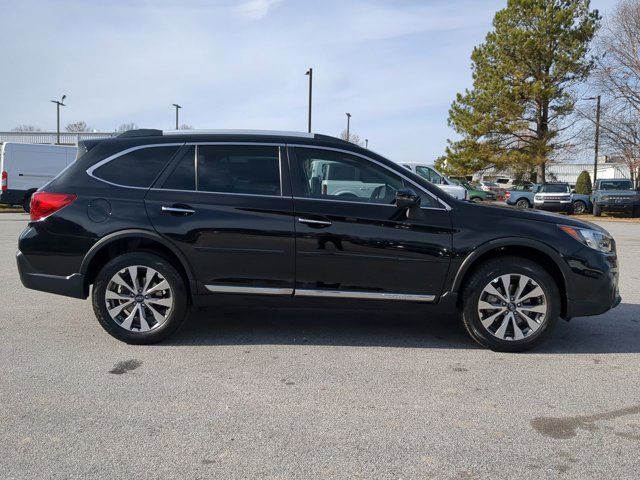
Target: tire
x,y
476,200
155,328
597,211
579,207
523,203
490,274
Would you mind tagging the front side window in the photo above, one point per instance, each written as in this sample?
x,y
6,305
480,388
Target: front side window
x,y
242,169
331,175
138,168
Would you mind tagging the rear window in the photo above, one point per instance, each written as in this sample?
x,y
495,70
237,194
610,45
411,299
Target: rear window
x,y
138,168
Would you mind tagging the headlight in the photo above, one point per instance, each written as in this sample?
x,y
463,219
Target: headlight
x,y
591,238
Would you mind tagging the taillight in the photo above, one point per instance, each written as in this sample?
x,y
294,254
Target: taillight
x,y
507,195
4,181
44,204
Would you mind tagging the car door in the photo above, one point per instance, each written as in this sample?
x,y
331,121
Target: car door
x,y
366,247
228,210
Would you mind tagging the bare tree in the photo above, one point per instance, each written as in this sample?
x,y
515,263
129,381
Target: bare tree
x,y
26,128
617,79
125,127
353,138
77,127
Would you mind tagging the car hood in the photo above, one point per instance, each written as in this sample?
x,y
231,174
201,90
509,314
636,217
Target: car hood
x,y
537,216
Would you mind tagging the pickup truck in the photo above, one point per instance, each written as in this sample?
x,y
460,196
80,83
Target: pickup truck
x,y
615,196
438,179
524,197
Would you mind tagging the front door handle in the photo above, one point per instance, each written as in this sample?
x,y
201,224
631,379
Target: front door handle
x,y
314,223
178,210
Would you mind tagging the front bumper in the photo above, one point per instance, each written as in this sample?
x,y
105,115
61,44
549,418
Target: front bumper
x,y
554,206
616,207
71,286
593,288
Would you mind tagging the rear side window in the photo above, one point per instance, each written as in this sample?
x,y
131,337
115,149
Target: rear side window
x,y
183,176
138,168
238,169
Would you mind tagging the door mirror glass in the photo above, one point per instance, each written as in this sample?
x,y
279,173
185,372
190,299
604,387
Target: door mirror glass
x,y
407,198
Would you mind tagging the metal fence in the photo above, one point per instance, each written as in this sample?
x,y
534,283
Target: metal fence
x,y
51,137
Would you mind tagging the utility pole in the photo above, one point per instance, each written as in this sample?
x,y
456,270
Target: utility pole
x,y
597,142
310,74
58,105
348,122
366,143
177,107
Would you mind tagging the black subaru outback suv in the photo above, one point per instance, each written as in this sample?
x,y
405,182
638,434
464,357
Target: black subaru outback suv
x,y
156,222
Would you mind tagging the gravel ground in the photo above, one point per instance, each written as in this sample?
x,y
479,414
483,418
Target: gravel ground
x,y
253,393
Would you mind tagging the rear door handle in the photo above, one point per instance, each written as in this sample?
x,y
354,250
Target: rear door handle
x,y
178,210
314,223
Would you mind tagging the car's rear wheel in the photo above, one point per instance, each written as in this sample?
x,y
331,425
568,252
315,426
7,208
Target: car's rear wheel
x,y
510,304
523,203
476,200
140,298
579,207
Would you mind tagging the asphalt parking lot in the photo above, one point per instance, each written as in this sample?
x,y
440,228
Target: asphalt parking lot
x,y
253,393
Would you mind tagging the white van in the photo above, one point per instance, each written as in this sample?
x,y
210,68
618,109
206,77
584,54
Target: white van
x,y
26,167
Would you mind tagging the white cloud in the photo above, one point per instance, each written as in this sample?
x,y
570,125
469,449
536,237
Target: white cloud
x,y
256,9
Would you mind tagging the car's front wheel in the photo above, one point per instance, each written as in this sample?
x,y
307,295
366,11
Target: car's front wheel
x,y
140,298
510,304
523,203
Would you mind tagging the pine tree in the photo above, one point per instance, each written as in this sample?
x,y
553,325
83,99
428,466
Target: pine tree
x,y
583,183
522,79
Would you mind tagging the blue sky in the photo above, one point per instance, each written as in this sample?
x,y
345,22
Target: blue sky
x,y
395,65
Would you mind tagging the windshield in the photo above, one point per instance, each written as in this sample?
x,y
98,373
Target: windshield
x,y
555,188
490,184
616,185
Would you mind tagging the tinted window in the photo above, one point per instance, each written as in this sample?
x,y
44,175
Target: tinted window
x,y
183,176
239,169
356,179
138,168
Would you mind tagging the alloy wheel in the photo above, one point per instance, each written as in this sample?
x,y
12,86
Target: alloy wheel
x,y
138,298
512,307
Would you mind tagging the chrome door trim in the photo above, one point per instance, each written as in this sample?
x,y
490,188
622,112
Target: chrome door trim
x,y
407,297
177,209
349,152
311,221
249,290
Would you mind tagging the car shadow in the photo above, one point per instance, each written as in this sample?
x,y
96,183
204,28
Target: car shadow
x,y
617,331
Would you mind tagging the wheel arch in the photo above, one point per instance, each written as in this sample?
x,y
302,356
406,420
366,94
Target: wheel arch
x,y
542,254
133,240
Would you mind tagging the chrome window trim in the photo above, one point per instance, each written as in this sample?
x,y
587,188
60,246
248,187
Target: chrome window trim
x,y
155,189
410,297
251,290
91,169
349,152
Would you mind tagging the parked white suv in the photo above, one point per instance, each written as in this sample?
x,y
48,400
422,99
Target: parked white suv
x,y
432,175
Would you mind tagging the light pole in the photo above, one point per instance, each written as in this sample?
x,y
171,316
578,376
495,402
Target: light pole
x,y
597,139
348,122
310,74
177,108
366,143
58,105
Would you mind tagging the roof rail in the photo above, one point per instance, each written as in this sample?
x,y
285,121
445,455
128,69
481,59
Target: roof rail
x,y
141,132
239,132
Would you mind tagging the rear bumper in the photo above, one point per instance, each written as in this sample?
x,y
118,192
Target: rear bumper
x,y
71,286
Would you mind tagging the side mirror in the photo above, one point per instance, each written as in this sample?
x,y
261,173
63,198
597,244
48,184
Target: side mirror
x,y
407,198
